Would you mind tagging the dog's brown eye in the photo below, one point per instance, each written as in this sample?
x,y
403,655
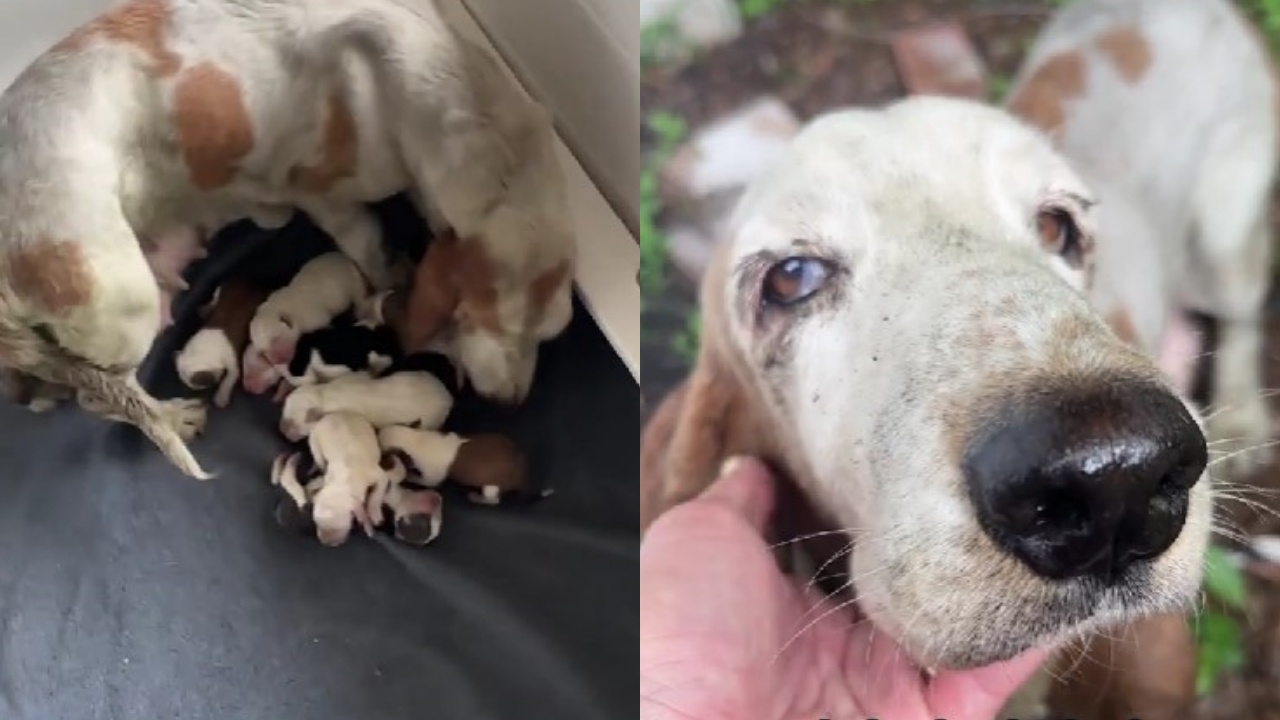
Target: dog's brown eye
x,y
794,280
1060,235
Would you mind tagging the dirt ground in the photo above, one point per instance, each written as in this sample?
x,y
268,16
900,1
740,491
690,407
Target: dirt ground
x,y
819,55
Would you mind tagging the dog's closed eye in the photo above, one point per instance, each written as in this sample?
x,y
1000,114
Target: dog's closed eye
x,y
794,280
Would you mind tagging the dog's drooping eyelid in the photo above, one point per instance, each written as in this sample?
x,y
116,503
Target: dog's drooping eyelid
x,y
1060,234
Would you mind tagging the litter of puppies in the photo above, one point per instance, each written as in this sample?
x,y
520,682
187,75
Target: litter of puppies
x,y
365,420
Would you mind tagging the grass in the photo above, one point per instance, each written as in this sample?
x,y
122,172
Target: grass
x,y
686,343
1219,647
668,130
656,40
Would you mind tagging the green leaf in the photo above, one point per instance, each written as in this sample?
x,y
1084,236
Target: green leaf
x,y
670,129
1218,649
1223,580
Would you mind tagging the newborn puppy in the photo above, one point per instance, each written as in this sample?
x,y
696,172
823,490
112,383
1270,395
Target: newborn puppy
x,y
294,476
415,515
492,465
325,287
212,356
406,398
345,347
354,480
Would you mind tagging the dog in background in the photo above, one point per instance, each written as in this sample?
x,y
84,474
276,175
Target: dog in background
x,y
1168,111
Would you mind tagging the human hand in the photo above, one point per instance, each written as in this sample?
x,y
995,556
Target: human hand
x,y
715,611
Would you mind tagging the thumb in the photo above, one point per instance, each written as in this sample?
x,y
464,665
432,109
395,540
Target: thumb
x,y
979,693
746,486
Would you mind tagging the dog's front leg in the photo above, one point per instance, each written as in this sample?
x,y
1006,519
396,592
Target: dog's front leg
x,y
357,234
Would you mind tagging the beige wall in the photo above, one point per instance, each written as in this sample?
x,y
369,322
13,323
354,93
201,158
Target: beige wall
x,y
583,58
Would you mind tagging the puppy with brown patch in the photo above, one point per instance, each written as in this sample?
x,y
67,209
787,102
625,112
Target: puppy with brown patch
x,y
492,465
898,324
163,114
212,356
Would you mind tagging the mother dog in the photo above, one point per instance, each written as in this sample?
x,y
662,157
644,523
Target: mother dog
x,y
162,114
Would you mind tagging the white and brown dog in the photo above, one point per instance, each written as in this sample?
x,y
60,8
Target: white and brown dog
x,y
898,324
1168,111
172,113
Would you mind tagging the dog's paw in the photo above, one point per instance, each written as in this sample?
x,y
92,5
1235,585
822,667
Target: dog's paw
x,y
187,416
1240,439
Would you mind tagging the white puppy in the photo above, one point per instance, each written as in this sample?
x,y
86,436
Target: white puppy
x,y
407,398
354,483
325,287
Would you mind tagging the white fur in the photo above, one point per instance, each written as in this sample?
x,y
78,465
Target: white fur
x,y
929,205
432,452
399,399
209,351
346,451
89,154
324,287
1182,161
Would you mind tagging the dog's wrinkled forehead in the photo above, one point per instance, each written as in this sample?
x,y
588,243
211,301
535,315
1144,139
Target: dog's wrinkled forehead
x,y
856,178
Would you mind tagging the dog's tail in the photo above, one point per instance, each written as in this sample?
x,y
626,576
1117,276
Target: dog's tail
x,y
116,394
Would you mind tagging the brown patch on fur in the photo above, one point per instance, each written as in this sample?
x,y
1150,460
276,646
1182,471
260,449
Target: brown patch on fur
x,y
1040,101
477,279
434,296
141,24
338,151
1128,52
1147,671
54,274
709,418
238,300
214,129
544,287
490,460
1122,326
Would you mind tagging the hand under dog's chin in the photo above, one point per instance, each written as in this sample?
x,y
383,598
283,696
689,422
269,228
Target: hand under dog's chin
x,y
1004,626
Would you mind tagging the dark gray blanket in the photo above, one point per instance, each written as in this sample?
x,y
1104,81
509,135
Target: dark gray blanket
x,y
129,592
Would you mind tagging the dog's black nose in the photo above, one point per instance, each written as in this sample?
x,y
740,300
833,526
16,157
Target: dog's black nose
x,y
1086,483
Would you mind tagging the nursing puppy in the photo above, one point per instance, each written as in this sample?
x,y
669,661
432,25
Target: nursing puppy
x,y
327,286
407,398
898,324
491,465
163,114
416,515
1168,111
340,349
212,356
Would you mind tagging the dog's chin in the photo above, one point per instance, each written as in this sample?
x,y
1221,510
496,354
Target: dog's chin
x,y
1005,626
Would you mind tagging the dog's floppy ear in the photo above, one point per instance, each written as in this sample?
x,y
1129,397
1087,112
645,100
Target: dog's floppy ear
x,y
433,297
707,419
1114,677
